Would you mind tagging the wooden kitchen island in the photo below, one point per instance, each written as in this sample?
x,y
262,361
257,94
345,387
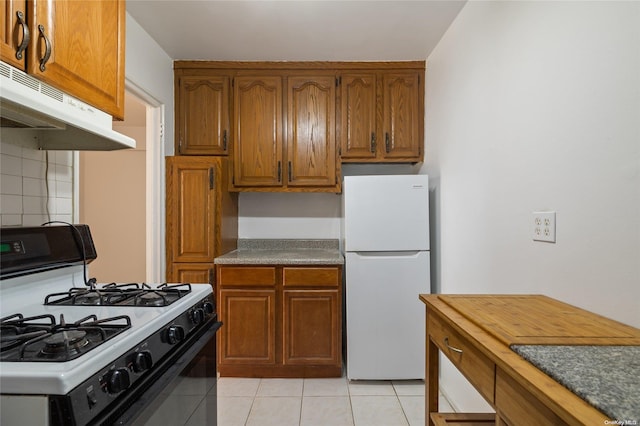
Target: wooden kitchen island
x,y
480,335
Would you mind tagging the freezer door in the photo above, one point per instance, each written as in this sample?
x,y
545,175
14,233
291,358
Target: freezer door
x,y
386,213
385,319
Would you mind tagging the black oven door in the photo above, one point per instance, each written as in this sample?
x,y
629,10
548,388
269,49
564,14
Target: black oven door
x,y
180,391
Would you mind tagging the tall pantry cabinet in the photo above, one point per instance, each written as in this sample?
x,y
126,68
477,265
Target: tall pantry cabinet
x,y
202,217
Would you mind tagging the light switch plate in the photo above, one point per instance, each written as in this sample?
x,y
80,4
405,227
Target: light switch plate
x,y
544,226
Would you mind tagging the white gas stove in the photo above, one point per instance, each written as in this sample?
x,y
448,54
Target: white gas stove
x,y
84,352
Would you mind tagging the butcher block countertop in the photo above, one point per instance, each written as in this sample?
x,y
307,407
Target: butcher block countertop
x,y
283,252
530,355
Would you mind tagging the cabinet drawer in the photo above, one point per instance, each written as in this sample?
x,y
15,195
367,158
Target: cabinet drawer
x,y
518,407
311,277
475,366
247,276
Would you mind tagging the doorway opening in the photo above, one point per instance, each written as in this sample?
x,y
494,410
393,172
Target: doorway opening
x,y
121,197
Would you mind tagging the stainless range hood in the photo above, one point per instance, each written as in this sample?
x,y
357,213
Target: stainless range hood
x,y
61,122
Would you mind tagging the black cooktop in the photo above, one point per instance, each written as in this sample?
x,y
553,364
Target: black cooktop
x,y
40,338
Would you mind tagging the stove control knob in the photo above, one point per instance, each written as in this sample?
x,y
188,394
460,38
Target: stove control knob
x,y
142,361
117,380
175,334
197,316
208,307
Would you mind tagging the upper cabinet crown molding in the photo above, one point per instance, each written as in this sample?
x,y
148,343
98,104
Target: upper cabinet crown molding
x,y
296,66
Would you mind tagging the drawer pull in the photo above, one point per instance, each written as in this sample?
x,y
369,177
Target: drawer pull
x,y
456,350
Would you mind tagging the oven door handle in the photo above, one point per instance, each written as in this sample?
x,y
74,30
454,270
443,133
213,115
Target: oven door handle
x,y
146,390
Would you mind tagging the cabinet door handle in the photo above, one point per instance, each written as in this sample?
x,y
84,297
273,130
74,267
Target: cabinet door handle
x,y
47,50
224,140
279,171
456,350
211,177
26,36
373,142
387,143
289,170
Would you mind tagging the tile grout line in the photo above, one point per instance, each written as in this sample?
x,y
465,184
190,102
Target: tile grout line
x,y
253,400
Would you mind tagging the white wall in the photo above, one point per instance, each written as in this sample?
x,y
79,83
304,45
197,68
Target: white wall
x,y
536,106
289,215
301,215
150,69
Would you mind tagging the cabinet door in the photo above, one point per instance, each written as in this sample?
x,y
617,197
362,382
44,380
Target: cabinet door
x,y
249,332
401,128
311,151
257,156
358,116
203,115
87,48
311,327
12,31
191,209
192,273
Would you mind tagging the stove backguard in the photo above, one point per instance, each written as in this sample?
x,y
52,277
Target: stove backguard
x,y
27,250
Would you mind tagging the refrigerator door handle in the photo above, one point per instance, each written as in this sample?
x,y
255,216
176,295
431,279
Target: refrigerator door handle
x,y
389,254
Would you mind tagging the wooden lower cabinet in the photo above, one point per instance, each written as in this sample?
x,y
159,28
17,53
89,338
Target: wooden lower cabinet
x,y
280,321
249,335
310,327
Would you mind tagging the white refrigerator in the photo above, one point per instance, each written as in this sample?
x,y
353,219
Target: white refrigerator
x,y
386,244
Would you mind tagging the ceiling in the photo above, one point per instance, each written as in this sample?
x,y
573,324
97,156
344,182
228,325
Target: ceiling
x,y
356,30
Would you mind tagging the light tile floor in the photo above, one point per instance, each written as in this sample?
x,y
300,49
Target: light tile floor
x,y
321,402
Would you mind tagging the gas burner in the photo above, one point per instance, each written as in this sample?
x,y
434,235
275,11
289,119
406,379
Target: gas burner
x,y
41,339
150,298
71,341
129,294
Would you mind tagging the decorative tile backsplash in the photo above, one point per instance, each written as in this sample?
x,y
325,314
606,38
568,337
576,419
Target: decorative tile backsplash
x,y
35,186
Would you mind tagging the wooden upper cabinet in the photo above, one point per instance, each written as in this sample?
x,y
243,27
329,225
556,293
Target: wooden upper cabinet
x,y
13,18
84,44
191,209
382,116
258,134
358,116
402,120
291,124
202,115
311,145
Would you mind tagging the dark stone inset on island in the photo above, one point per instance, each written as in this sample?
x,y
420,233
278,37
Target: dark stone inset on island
x,y
607,377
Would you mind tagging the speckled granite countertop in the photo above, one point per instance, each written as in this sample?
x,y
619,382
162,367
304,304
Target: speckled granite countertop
x,y
283,252
607,377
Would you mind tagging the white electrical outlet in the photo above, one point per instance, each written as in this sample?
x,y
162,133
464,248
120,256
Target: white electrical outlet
x,y
544,226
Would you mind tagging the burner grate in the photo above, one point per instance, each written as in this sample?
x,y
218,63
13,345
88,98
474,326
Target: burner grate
x,y
128,294
39,338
